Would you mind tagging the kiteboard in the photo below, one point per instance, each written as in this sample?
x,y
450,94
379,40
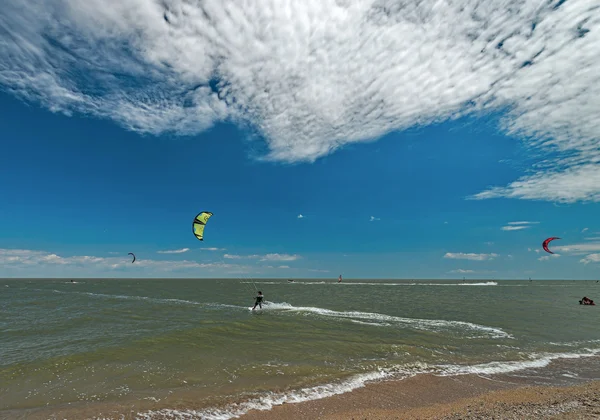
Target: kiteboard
x,y
256,310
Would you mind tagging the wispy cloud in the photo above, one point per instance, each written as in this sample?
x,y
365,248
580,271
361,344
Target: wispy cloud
x,y
592,258
300,216
548,257
465,271
265,257
174,251
374,219
212,249
41,263
578,248
584,230
523,223
323,75
470,256
518,225
509,228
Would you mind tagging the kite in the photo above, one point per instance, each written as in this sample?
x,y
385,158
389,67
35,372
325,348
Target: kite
x,y
199,224
132,254
546,242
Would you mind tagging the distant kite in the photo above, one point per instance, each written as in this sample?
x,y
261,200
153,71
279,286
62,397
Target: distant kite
x,y
133,255
199,224
546,242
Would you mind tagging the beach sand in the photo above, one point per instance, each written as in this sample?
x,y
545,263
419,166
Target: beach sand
x,y
451,397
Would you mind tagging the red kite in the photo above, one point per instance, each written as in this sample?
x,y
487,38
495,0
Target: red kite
x,y
546,242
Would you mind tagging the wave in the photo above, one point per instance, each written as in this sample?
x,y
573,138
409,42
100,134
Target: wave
x,y
435,325
358,283
537,360
399,372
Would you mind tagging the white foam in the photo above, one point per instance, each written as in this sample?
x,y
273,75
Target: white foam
x,y
358,283
536,360
269,400
421,324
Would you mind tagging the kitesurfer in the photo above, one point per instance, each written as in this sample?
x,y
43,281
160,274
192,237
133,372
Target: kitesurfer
x,y
259,299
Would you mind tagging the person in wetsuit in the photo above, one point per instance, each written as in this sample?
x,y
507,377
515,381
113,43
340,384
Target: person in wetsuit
x,y
259,299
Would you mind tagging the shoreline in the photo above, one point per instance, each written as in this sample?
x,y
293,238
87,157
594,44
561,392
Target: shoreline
x,y
427,396
422,396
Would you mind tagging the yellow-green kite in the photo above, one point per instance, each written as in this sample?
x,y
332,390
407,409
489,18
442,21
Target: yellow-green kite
x,y
199,224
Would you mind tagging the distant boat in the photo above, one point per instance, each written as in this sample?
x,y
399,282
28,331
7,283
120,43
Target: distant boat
x,y
290,281
340,279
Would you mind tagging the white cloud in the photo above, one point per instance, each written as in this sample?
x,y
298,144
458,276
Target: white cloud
x,y
461,271
578,248
547,257
593,238
472,257
584,230
514,227
174,251
300,216
280,257
373,219
518,225
523,223
265,257
592,258
41,263
284,266
312,76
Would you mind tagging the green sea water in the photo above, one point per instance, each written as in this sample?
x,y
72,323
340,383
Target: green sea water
x,y
175,348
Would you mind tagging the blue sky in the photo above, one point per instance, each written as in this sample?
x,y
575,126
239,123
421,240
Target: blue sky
x,y
408,175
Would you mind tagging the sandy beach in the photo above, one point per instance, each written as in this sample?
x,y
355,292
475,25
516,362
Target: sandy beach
x,y
433,397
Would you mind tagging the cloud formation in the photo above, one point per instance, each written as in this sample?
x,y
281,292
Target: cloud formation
x,y
509,228
547,257
470,256
461,271
592,258
518,225
578,248
265,257
42,263
374,219
312,76
300,216
174,251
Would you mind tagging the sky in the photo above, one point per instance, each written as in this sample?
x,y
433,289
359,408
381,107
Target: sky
x,y
372,139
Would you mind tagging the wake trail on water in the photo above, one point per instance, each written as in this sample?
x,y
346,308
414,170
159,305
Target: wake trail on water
x,y
373,318
168,301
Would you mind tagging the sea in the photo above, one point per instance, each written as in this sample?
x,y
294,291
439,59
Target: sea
x,y
192,348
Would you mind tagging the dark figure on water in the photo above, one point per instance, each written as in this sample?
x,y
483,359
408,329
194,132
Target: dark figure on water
x,y
259,299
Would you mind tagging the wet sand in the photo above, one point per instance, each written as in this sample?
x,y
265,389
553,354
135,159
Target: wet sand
x,y
457,397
